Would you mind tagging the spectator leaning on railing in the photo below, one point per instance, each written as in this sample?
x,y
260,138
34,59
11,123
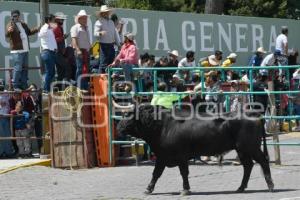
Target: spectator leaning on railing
x,y
128,58
17,31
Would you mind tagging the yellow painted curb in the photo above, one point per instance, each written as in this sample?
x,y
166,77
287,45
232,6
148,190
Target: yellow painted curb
x,y
46,163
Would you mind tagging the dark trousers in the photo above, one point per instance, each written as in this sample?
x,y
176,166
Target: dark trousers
x,y
63,69
107,56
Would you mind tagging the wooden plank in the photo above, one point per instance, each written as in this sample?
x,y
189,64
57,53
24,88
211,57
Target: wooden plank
x,y
73,146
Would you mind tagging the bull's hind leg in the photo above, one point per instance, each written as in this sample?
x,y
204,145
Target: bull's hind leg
x,y
157,172
247,165
184,171
262,160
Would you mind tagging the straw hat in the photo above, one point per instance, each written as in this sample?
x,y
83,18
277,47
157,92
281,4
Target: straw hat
x,y
213,61
60,15
130,36
174,52
232,55
103,9
261,50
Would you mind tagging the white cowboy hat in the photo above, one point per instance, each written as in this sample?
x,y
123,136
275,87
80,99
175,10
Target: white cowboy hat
x,y
130,36
232,55
104,8
260,50
60,15
213,61
81,13
174,52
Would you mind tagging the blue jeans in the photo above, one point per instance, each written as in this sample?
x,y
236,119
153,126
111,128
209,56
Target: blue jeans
x,y
48,57
5,145
20,73
82,83
107,56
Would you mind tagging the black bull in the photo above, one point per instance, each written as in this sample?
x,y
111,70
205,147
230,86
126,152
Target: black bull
x,y
175,142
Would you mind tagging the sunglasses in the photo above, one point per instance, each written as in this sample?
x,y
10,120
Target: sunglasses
x,y
15,16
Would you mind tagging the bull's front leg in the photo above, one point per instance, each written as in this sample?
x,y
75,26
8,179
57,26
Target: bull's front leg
x,y
184,171
157,172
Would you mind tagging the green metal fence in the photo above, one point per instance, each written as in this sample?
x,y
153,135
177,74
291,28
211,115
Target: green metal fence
x,y
202,71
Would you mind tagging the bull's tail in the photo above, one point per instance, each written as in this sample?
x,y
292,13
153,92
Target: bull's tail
x,y
265,148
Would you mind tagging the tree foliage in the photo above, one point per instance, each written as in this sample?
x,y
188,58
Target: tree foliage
x,y
257,8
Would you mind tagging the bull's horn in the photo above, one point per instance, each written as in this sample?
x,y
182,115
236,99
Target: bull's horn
x,y
123,108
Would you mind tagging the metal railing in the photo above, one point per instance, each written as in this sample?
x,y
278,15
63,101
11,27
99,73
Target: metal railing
x,y
250,69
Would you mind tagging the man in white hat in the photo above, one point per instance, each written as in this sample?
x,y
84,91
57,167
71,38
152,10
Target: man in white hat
x,y
62,67
173,58
81,45
105,31
258,57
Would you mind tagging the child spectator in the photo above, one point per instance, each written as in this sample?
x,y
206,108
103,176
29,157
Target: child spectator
x,y
22,129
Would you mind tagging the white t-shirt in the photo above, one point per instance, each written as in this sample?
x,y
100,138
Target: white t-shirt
x,y
47,38
184,63
281,40
24,39
269,60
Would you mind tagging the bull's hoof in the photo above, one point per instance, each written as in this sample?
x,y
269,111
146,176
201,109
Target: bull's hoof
x,y
148,191
271,187
240,190
185,192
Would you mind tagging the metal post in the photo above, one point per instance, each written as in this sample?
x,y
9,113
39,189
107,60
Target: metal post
x,y
273,128
110,117
155,81
44,9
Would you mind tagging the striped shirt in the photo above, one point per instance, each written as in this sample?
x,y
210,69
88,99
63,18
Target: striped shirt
x,y
111,35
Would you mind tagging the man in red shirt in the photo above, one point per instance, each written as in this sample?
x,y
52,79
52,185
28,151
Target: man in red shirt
x,y
62,66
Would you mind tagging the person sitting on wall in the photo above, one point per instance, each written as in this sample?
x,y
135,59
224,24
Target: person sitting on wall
x,y
128,58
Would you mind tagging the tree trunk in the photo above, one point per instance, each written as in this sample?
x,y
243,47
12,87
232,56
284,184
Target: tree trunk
x,y
214,7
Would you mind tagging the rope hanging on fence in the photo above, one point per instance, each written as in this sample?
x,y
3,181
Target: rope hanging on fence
x,y
72,97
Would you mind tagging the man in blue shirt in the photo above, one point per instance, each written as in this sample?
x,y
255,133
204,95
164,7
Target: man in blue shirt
x,y
258,57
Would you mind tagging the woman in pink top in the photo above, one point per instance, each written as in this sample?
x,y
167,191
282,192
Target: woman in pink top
x,y
127,58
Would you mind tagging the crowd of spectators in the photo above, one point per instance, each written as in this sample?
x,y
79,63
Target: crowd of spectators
x,y
72,63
